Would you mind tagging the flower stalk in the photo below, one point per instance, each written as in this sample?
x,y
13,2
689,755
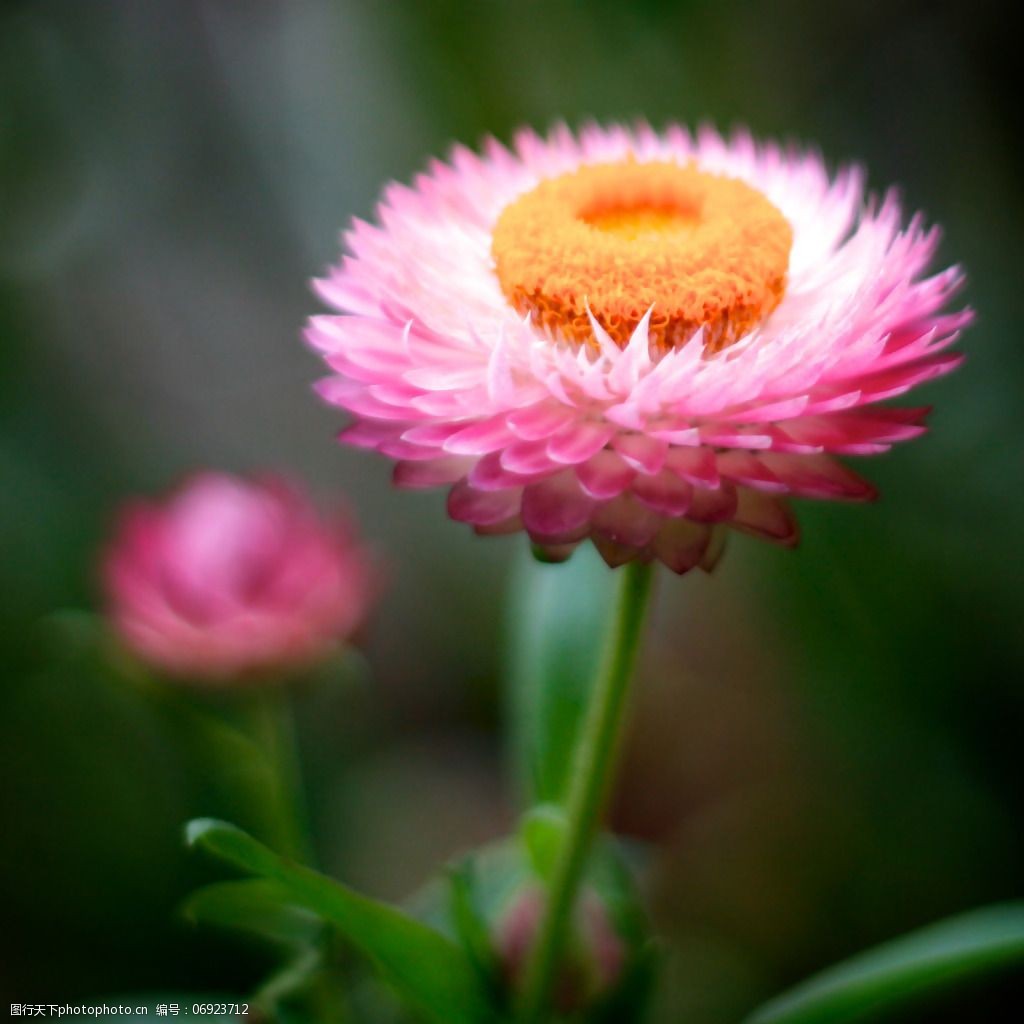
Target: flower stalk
x,y
273,726
593,766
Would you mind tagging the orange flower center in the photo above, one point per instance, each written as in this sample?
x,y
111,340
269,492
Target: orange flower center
x,y
702,250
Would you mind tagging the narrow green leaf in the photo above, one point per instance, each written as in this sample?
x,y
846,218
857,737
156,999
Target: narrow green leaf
x,y
423,966
261,908
470,925
922,964
258,907
554,638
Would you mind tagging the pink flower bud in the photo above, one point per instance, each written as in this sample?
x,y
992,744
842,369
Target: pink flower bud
x,y
594,957
230,578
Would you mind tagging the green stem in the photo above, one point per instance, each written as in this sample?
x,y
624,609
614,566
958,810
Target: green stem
x,y
223,734
274,727
592,771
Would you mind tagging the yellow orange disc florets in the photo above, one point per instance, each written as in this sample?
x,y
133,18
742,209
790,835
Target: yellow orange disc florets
x,y
701,249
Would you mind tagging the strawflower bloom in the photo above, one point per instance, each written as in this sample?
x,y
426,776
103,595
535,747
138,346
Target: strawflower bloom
x,y
643,338
231,579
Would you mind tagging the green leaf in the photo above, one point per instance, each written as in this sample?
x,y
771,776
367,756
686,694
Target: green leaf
x,y
423,966
554,636
263,909
921,964
470,924
258,907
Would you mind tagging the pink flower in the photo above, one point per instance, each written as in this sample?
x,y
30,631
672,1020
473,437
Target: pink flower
x,y
230,578
643,339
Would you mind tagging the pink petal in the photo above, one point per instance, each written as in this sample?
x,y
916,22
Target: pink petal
x,y
540,421
615,554
626,521
488,474
433,473
784,442
712,506
695,465
399,449
723,437
897,381
715,549
682,436
644,453
527,457
432,435
818,476
770,412
336,390
681,544
579,441
827,401
505,526
480,438
557,510
556,552
665,493
444,378
369,434
748,468
605,475
846,431
482,508
368,367
394,393
766,517
362,403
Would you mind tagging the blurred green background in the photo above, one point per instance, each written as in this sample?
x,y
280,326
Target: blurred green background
x,y
826,746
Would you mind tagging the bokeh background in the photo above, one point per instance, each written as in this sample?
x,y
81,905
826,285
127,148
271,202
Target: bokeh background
x,y
826,747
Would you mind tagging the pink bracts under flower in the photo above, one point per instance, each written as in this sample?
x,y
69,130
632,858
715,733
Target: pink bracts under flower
x,y
230,578
635,337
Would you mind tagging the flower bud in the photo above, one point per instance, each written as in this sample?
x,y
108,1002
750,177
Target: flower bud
x,y
229,578
594,955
